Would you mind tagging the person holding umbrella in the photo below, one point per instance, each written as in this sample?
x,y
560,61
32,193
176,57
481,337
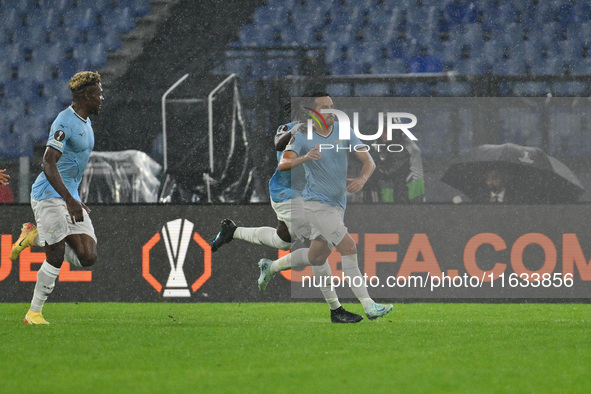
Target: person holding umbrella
x,y
497,192
511,173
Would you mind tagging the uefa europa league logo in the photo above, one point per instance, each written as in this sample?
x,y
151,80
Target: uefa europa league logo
x,y
177,235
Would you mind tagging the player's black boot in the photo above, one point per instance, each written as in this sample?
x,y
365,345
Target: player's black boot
x,y
225,235
340,315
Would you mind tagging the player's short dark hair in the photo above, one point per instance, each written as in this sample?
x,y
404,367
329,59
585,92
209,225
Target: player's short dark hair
x,y
316,94
308,100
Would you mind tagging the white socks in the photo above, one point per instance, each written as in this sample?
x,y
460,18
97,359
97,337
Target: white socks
x,y
296,259
351,269
321,272
299,259
46,277
261,236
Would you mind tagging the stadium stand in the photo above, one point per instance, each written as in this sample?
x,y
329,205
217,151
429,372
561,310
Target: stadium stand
x,y
482,47
43,44
525,37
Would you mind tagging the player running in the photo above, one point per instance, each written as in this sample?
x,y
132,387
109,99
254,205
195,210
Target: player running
x,y
285,189
325,197
63,227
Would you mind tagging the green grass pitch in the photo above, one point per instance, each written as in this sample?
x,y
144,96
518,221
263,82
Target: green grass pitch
x,y
293,347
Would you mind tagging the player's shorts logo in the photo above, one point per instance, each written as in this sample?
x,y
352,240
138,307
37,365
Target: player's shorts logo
x,y
178,237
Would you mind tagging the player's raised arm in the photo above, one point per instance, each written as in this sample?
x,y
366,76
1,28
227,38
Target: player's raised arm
x,y
291,159
282,139
356,184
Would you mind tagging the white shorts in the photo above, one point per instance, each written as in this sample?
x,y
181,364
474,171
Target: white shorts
x,y
54,222
326,221
292,213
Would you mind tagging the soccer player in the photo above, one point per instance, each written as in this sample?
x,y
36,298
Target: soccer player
x,y
64,227
286,188
325,197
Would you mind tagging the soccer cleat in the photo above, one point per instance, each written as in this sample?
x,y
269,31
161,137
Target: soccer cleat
x,y
266,275
26,239
34,318
225,235
340,315
377,310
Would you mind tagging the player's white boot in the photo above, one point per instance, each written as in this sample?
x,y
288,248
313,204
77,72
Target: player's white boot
x,y
377,310
266,275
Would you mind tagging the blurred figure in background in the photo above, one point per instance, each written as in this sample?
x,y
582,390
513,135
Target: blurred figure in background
x,y
498,192
6,194
398,177
4,177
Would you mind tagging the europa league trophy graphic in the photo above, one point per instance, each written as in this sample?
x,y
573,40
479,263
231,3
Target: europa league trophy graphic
x,y
177,235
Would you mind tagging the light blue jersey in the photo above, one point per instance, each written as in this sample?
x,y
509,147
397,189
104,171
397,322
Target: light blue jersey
x,y
73,136
326,177
285,185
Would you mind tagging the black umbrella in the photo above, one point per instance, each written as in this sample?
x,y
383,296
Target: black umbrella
x,y
532,174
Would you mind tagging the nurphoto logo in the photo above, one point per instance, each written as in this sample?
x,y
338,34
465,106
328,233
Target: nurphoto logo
x,y
393,123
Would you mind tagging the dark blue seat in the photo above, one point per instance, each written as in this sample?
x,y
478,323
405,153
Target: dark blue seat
x,y
372,89
453,89
538,89
13,144
5,71
98,6
57,88
390,66
11,18
570,88
80,18
36,71
124,19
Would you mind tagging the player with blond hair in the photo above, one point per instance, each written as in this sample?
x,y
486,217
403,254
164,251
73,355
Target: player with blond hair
x,y
64,228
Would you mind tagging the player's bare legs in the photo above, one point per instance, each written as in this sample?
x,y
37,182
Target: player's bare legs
x,y
84,248
283,232
77,249
318,252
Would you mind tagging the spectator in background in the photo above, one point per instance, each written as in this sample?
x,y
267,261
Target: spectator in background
x,y
398,177
497,190
6,194
4,177
425,63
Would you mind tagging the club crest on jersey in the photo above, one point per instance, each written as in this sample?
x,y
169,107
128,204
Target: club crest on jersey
x,y
59,135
